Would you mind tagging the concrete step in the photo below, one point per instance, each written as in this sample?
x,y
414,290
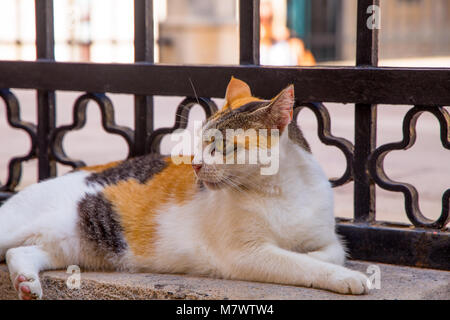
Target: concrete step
x,y
396,283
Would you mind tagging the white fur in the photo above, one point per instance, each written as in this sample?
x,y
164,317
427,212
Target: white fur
x,y
283,237
40,219
283,234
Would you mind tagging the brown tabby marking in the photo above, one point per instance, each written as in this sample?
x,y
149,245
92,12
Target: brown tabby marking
x,y
140,169
296,135
99,226
138,203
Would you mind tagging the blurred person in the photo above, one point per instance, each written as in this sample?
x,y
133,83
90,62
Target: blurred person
x,y
277,46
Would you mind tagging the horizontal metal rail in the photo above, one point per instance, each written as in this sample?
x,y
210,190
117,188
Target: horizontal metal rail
x,y
396,244
411,86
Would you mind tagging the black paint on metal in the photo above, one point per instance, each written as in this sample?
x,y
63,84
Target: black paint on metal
x,y
45,47
365,118
379,85
143,52
79,120
249,32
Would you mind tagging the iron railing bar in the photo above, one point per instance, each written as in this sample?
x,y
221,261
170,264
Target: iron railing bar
x,y
249,32
365,118
388,243
143,52
46,114
143,31
367,39
44,29
410,86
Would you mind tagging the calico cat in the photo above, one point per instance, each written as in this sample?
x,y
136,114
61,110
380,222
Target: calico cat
x,y
150,214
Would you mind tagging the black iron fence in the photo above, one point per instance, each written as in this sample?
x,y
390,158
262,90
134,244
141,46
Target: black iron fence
x,y
426,243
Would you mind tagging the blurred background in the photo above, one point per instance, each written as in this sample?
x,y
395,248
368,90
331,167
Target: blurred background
x,y
206,31
414,33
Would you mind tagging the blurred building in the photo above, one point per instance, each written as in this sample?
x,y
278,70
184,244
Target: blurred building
x,y
409,28
85,30
206,31
199,31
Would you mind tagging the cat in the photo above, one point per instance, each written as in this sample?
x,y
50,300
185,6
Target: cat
x,y
150,214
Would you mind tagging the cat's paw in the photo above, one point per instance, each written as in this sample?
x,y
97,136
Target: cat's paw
x,y
348,282
28,287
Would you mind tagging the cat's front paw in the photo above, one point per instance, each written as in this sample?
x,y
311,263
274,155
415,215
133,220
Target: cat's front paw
x,y
348,282
28,287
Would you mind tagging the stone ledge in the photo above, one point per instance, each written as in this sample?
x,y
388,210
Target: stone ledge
x,y
396,283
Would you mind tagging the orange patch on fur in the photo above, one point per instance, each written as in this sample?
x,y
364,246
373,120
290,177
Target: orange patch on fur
x,y
237,89
259,140
238,94
101,167
138,204
240,102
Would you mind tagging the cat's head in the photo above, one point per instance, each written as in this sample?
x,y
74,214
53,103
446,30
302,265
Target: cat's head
x,y
241,143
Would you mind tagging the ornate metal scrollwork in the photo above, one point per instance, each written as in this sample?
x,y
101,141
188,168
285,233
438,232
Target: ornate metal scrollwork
x,y
79,120
13,116
181,120
376,167
324,133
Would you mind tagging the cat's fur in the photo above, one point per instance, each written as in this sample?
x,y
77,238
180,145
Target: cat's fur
x,y
150,215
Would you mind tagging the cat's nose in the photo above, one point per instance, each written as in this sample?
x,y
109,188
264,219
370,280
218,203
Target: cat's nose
x,y
197,167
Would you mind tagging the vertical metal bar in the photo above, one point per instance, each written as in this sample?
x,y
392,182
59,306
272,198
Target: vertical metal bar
x,y
45,99
367,38
365,118
143,52
249,31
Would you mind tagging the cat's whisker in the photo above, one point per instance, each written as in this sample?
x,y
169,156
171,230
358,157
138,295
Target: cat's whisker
x,y
233,184
193,88
248,184
224,180
182,117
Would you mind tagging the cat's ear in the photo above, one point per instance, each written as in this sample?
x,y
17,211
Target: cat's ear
x,y
281,109
237,89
